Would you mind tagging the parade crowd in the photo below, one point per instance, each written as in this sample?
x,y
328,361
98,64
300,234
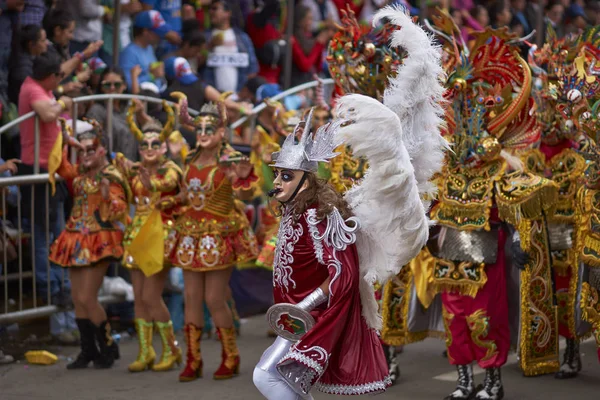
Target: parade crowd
x,y
174,202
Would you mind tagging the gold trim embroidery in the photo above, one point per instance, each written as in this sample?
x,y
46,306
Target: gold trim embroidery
x,y
463,277
538,344
448,317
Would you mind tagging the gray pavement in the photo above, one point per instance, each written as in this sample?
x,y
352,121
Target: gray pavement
x,y
426,375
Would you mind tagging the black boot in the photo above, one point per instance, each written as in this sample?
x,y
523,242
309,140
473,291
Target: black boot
x,y
464,386
392,362
89,351
492,386
571,362
109,351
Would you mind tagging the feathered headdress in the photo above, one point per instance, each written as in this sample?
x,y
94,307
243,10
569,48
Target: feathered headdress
x,y
216,110
164,133
489,87
311,149
361,60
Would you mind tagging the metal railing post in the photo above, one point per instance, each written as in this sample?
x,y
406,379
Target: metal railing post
x,y
36,146
5,260
109,125
74,127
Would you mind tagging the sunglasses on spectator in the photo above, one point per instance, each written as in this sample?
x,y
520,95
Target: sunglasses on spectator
x,y
108,85
59,74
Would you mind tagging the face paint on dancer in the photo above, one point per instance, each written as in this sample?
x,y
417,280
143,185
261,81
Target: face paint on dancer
x,y
93,153
151,148
287,184
208,133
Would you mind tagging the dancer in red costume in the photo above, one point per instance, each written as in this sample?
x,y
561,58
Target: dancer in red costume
x,y
212,234
332,248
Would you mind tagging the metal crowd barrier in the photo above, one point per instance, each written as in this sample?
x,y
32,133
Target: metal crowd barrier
x,y
17,310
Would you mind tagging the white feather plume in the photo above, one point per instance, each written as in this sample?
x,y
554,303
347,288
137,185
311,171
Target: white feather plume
x,y
402,142
394,226
415,94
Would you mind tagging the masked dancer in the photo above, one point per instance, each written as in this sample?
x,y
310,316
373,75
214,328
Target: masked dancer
x,y
212,235
566,84
155,183
332,249
91,241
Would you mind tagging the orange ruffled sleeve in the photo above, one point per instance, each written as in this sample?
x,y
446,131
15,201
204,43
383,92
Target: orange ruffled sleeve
x,y
116,207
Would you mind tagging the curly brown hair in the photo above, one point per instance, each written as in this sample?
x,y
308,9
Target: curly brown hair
x,y
320,193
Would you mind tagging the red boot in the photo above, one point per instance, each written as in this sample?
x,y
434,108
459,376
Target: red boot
x,y
230,363
193,365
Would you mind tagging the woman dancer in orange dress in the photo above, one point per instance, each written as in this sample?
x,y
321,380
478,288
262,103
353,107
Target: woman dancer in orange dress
x,y
91,240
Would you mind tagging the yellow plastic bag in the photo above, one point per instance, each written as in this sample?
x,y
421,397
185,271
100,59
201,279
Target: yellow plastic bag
x,y
148,247
41,357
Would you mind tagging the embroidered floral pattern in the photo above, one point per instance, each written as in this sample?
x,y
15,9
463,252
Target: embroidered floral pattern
x,y
289,235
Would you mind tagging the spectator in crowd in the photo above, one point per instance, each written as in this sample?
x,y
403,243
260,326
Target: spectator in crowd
x,y
32,42
89,16
248,92
9,21
192,45
33,13
112,81
60,27
232,59
480,13
519,16
554,14
171,13
592,10
307,52
324,13
128,8
36,95
148,28
576,19
263,28
183,80
465,23
500,14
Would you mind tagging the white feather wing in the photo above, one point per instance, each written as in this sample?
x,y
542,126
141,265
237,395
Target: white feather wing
x,y
402,142
415,94
394,227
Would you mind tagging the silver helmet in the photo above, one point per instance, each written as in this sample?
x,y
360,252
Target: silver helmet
x,y
311,149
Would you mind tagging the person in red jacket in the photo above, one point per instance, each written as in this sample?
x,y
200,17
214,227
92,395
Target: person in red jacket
x,y
307,51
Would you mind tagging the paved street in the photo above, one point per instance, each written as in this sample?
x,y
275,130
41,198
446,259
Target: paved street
x,y
426,375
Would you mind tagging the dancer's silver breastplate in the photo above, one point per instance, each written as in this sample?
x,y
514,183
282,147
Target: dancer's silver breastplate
x,y
471,246
561,236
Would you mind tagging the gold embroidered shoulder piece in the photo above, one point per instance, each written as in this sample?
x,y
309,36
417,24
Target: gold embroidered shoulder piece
x,y
523,197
